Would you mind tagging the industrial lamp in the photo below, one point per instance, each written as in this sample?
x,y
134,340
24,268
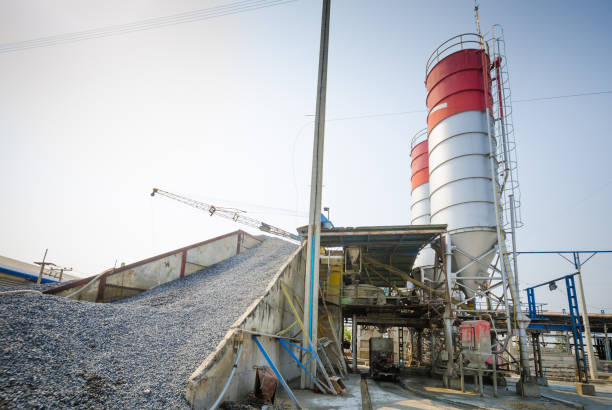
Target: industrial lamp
x,y
552,286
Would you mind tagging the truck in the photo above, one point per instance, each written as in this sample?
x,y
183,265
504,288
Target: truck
x,y
382,364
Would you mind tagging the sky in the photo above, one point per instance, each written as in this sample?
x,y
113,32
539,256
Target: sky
x,y
220,110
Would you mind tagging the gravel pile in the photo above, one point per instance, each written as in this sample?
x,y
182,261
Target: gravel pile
x,y
135,353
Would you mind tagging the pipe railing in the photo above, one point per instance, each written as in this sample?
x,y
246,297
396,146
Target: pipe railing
x,y
465,41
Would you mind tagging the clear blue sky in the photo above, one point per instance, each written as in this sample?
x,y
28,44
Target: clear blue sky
x,y
218,109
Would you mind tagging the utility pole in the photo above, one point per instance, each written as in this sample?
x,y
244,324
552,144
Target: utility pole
x,y
61,272
42,266
585,320
311,285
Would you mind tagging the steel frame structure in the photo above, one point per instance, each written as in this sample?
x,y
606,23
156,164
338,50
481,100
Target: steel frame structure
x,y
576,326
579,324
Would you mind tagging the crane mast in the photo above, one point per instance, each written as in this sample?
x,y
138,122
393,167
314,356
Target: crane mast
x,y
230,214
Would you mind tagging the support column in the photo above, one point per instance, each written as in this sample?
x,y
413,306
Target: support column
x,y
606,340
419,343
450,373
354,343
311,286
526,386
587,328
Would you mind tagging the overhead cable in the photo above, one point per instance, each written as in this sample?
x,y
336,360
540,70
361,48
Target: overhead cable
x,y
388,114
148,24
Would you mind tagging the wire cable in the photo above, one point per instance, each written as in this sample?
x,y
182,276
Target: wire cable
x,y
388,114
148,24
557,97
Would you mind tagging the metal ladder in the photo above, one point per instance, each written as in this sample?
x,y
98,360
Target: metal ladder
x,y
537,355
581,362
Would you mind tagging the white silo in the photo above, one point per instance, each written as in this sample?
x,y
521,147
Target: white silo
x,y
422,269
460,182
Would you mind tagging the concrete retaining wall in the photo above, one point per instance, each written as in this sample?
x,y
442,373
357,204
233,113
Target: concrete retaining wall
x,y
268,314
137,277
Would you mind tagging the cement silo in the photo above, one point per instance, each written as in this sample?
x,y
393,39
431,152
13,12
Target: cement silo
x,y
419,202
460,177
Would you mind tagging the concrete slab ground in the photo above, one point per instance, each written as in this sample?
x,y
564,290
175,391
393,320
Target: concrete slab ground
x,y
567,391
387,396
311,400
383,396
417,392
557,395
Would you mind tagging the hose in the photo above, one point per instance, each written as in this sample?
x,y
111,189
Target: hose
x,y
88,283
229,379
15,292
505,345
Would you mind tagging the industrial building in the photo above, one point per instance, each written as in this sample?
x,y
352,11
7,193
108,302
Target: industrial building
x,y
14,272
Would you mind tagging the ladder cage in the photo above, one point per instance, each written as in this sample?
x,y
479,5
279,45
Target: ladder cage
x,y
503,128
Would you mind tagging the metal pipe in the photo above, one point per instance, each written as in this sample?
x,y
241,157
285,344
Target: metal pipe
x,y
448,314
229,379
461,374
520,318
494,375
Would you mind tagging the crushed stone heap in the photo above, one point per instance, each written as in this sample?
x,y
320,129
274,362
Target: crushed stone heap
x,y
134,353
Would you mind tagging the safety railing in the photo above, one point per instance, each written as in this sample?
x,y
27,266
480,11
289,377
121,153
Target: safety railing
x,y
419,137
466,41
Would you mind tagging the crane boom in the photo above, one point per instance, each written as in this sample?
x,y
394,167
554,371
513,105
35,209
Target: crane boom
x,y
228,214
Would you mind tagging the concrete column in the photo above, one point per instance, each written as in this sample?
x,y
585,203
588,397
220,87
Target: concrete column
x,y
354,343
311,288
587,330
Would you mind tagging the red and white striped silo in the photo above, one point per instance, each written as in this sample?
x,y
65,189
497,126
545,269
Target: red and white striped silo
x,y
419,202
460,177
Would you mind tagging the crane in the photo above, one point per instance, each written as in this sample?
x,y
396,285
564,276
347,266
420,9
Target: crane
x,y
229,213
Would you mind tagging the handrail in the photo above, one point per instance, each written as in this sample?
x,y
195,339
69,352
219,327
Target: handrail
x,y
434,58
418,138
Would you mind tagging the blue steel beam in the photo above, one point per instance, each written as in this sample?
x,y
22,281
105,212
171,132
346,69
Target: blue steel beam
x,y
277,373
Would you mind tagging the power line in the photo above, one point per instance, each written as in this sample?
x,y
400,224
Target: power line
x,y
148,24
388,114
557,97
384,114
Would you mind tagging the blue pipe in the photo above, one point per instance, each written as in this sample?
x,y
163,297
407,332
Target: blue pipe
x,y
277,373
